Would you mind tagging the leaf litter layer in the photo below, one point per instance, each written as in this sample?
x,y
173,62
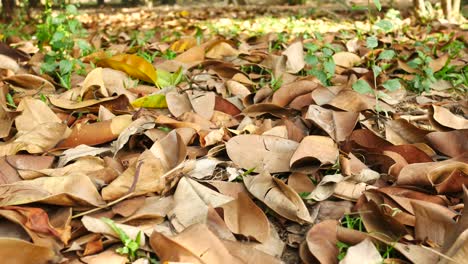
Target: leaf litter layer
x,y
182,137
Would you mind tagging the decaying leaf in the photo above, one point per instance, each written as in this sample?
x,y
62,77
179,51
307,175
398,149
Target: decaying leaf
x,y
278,196
266,153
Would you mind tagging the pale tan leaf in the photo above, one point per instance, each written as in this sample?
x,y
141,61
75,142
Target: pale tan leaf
x,y
265,153
278,196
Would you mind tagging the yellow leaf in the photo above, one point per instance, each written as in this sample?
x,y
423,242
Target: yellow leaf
x,y
133,65
151,101
183,44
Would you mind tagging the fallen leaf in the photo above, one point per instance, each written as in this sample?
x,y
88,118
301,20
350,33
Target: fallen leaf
x,y
314,152
243,217
266,153
278,196
133,65
196,244
346,59
363,253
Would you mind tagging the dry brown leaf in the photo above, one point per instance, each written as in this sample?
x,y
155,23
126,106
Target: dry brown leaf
x,y
321,241
191,203
261,153
278,196
39,140
325,188
288,92
178,103
96,133
107,257
295,57
452,143
363,253
339,125
29,253
34,113
314,152
346,59
96,225
29,81
444,176
243,217
196,244
447,119
66,191
203,103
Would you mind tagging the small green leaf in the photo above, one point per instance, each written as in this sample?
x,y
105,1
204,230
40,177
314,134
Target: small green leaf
x,y
71,9
386,55
376,70
151,101
372,42
362,87
384,24
378,5
392,85
321,75
65,66
166,78
311,59
10,100
327,52
329,67
311,47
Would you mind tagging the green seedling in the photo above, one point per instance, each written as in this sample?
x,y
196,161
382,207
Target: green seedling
x,y
131,246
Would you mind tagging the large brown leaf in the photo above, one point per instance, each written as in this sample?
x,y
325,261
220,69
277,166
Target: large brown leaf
x,y
196,244
337,124
278,196
243,217
133,65
261,153
314,152
66,191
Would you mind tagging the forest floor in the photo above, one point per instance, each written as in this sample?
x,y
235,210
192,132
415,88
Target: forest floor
x,y
240,134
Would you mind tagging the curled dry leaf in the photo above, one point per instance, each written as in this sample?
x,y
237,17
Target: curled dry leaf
x,y
39,140
29,81
314,152
243,217
191,202
133,65
261,153
79,151
400,131
363,253
452,143
96,133
288,92
34,113
178,103
325,188
321,241
278,196
29,253
196,244
445,176
75,190
295,57
96,225
346,59
447,119
339,125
